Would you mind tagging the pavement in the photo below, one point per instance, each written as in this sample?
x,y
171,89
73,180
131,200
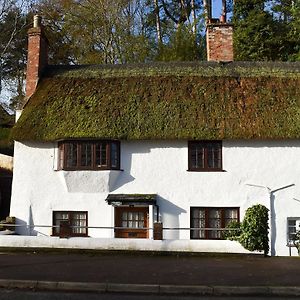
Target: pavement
x,y
149,272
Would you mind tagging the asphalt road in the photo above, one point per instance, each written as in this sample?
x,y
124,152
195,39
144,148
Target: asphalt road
x,y
29,295
147,268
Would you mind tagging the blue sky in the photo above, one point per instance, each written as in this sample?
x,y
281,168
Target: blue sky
x,y
217,6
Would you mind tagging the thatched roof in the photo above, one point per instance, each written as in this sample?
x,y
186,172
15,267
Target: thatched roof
x,y
165,101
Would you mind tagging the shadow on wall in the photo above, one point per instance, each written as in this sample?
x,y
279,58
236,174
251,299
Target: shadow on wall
x,y
169,215
26,227
121,180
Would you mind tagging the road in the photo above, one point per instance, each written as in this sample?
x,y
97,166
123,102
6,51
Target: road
x,y
29,295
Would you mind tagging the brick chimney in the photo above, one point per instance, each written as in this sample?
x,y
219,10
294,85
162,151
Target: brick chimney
x,y
219,37
37,55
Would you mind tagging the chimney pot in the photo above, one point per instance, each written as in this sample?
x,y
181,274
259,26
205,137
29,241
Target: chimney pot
x,y
37,21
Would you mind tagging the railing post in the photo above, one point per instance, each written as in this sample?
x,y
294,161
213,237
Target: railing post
x,y
158,231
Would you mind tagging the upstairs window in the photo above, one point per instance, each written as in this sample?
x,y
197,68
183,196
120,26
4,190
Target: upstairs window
x,y
205,155
89,155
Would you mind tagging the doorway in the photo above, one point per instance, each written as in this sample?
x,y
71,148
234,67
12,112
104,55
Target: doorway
x,y
134,220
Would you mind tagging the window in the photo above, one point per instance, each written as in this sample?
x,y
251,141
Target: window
x,y
89,155
211,217
70,223
293,225
205,155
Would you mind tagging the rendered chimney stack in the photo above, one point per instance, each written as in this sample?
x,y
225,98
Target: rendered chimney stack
x,y
219,37
37,55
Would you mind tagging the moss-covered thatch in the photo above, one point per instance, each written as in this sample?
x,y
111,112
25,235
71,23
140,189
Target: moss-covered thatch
x,y
165,101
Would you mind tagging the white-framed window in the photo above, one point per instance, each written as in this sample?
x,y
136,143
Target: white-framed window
x,y
293,225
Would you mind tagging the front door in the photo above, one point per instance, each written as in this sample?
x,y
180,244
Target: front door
x,y
133,219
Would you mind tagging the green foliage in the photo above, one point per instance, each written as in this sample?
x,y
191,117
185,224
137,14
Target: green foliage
x,y
296,241
6,144
164,101
266,32
234,231
254,229
182,46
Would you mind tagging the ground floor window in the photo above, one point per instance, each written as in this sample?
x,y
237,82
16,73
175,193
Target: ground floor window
x,y
210,219
70,223
293,225
131,222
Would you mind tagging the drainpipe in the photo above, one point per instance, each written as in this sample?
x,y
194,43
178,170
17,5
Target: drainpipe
x,y
271,208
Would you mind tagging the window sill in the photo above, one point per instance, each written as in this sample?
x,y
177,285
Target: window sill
x,y
205,170
93,170
70,236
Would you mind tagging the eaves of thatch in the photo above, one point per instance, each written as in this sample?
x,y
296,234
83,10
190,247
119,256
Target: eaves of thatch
x,y
240,100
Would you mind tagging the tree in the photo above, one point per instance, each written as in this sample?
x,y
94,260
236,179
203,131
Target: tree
x,y
181,23
287,15
112,31
13,39
266,31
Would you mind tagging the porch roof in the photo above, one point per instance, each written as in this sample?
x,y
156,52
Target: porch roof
x,y
131,199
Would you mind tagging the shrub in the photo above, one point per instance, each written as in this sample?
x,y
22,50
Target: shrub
x,y
296,241
234,231
254,229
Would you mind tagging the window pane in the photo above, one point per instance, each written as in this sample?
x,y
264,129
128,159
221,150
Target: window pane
x,y
58,218
79,219
61,156
71,155
101,154
214,222
198,221
197,156
114,156
124,215
86,155
214,155
292,222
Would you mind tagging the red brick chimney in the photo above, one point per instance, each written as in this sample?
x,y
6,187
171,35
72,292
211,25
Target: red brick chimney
x,y
219,37
37,55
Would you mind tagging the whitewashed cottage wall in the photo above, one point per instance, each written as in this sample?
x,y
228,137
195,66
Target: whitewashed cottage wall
x,y
252,170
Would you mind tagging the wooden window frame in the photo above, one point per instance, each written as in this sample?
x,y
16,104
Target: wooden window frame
x,y
207,209
205,168
290,232
70,213
62,155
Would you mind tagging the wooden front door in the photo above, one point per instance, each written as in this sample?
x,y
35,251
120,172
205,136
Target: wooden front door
x,y
133,219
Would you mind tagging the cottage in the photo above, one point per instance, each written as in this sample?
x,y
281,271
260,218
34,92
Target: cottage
x,y
115,151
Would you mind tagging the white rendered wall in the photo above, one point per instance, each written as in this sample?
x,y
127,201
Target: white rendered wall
x,y
251,170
